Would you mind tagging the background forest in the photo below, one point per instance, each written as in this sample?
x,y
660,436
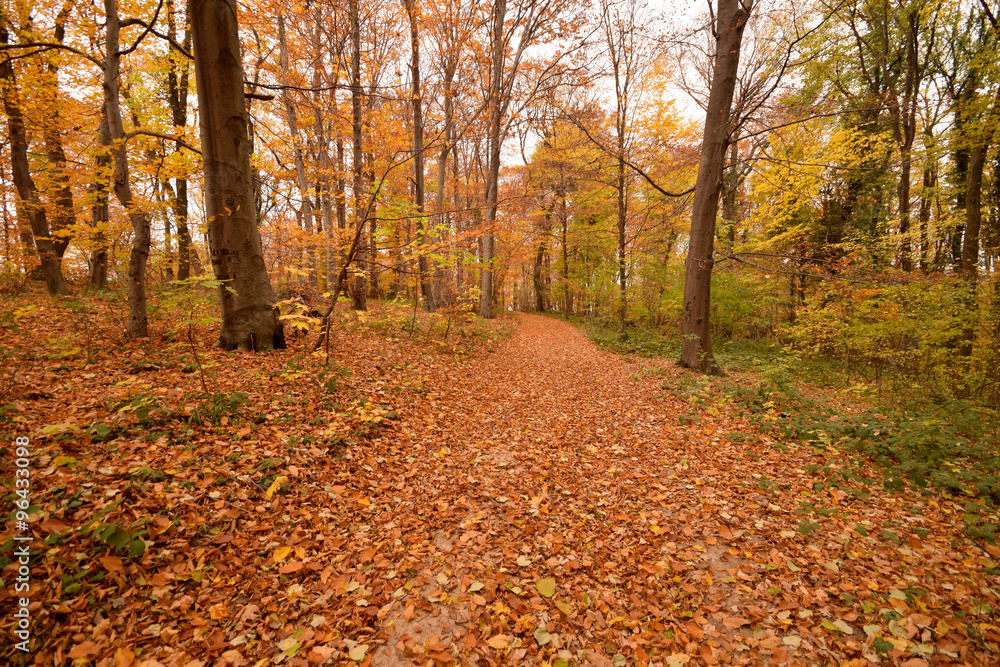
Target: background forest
x,y
542,156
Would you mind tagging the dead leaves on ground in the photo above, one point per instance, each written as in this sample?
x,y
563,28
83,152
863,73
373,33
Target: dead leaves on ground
x,y
536,505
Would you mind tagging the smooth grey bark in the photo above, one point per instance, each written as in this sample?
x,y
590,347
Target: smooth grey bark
x,y
249,318
696,350
138,323
31,204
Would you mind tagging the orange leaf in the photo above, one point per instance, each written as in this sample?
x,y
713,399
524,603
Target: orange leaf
x,y
111,563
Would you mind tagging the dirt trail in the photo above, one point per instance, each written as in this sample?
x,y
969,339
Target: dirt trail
x,y
570,463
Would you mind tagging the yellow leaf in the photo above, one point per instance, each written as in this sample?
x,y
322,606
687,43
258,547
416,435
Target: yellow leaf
x,y
281,553
274,486
498,642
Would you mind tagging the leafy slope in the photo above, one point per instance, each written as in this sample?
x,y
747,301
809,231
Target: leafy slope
x,y
540,503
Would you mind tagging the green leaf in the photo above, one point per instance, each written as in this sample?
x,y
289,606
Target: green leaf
x,y
546,587
882,645
542,636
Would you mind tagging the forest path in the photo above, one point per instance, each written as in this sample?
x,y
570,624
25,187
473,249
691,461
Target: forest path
x,y
571,516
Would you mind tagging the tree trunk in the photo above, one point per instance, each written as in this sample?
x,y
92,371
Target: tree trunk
x,y
426,286
64,213
138,326
567,295
360,294
929,183
177,92
23,182
696,351
970,243
442,174
306,208
730,200
249,318
98,273
538,270
493,161
622,217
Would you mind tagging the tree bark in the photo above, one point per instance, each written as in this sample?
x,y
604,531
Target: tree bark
x,y
99,214
23,182
306,208
696,350
426,283
249,318
442,172
360,295
493,160
177,89
567,295
137,326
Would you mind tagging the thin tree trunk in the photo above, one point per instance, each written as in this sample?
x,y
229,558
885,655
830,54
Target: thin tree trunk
x,y
567,296
442,174
249,318
98,273
137,318
426,286
177,92
622,217
696,351
306,208
929,183
970,243
360,288
486,285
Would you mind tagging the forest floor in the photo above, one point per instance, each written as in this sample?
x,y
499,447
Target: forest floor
x,y
509,494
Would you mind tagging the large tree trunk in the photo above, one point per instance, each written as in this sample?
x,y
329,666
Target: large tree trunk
x,y
360,295
696,351
249,318
137,326
23,182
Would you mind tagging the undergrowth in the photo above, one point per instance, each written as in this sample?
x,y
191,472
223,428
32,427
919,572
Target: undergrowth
x,y
950,445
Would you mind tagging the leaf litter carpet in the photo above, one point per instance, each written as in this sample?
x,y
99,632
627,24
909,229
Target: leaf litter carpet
x,y
536,504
